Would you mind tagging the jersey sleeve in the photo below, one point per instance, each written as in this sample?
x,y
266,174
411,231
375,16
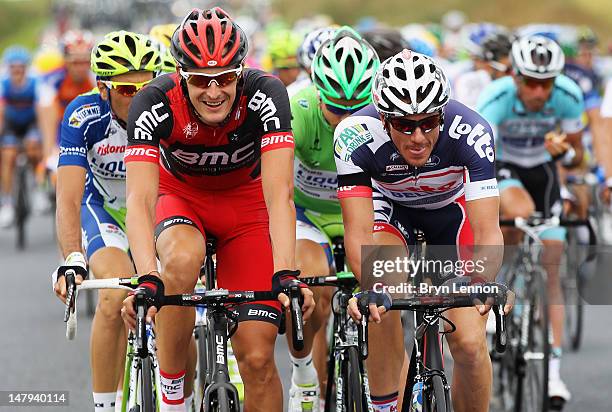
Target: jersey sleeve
x,y
78,118
353,180
298,124
149,121
271,102
492,101
572,105
476,152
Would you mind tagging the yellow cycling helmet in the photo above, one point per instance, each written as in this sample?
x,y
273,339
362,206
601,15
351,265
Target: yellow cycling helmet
x,y
283,49
163,33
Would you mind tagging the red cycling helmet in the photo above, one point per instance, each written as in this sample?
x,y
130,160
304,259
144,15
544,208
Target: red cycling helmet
x,y
209,38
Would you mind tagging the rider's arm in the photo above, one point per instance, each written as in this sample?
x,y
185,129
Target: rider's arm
x,y
483,215
2,108
70,188
277,182
142,162
358,218
571,112
72,169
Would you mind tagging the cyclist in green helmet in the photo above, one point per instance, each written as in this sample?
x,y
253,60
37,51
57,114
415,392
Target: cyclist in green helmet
x,y
342,72
91,195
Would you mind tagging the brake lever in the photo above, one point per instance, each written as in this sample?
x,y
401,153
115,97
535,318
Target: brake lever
x,y
295,297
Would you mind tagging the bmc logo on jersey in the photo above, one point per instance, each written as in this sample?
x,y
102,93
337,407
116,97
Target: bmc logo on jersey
x,y
261,103
220,158
277,139
476,137
141,151
148,121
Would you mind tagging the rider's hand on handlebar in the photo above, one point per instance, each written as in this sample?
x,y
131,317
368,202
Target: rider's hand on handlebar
x,y
378,304
284,279
483,309
153,289
74,261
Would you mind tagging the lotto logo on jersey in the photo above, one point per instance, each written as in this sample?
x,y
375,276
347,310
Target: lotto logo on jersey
x,y
148,121
476,137
82,114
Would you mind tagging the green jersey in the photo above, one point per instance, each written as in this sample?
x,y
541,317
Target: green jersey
x,y
316,179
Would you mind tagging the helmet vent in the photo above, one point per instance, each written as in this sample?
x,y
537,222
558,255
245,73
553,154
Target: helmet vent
x,y
131,45
400,73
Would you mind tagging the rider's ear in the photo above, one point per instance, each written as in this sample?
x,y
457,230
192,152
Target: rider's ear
x,y
103,90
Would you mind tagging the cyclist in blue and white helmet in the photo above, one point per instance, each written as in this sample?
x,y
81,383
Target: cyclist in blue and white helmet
x,y
16,55
305,55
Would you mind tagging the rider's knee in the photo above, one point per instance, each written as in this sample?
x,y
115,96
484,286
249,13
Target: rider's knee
x,y
109,305
181,264
469,349
257,365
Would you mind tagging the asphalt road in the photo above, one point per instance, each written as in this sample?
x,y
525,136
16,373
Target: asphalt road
x,y
35,355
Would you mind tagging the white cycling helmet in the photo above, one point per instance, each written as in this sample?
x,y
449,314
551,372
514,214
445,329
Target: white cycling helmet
x,y
537,56
409,83
311,44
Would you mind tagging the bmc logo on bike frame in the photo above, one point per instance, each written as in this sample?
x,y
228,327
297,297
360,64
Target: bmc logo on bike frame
x,y
148,121
480,141
219,349
261,103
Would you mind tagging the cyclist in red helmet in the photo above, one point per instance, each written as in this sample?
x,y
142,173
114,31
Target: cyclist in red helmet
x,y
210,153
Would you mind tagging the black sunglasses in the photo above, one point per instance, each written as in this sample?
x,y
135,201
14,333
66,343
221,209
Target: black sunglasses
x,y
408,126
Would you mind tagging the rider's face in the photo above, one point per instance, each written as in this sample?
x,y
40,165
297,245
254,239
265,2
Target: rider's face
x,y
213,100
120,103
417,146
534,93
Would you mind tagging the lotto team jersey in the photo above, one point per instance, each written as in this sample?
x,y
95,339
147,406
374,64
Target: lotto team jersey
x,y
519,133
461,163
316,179
163,127
91,138
19,101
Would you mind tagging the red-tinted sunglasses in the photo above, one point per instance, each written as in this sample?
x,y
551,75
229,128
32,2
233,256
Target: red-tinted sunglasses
x,y
408,126
126,89
204,80
532,83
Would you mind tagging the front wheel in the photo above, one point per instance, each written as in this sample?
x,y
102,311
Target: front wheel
x,y
147,397
436,399
354,393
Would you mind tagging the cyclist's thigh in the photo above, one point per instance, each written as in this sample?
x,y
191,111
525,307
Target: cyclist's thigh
x,y
312,251
514,199
180,239
244,249
100,230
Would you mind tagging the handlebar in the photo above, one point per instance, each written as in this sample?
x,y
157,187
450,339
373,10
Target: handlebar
x,y
441,302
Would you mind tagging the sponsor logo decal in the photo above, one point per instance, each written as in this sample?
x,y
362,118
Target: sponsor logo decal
x,y
262,313
350,139
476,137
190,130
141,151
107,149
82,114
260,102
276,139
432,161
217,158
148,121
73,151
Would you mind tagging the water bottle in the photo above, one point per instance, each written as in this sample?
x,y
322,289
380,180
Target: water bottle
x,y
417,397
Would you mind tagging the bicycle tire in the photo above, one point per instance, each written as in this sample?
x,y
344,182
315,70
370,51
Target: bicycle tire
x,y
355,397
222,402
534,383
147,396
21,207
571,283
436,399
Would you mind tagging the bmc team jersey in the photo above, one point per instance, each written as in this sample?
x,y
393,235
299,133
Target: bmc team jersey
x,y
19,101
520,133
210,176
461,163
316,179
163,127
90,137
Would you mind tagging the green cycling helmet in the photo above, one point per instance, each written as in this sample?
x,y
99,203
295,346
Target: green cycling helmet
x,y
168,64
343,68
123,51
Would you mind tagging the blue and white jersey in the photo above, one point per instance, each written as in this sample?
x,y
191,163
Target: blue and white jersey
x,y
520,133
19,101
91,138
461,163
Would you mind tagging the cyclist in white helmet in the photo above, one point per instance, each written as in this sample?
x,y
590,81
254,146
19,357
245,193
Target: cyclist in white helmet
x,y
406,163
537,115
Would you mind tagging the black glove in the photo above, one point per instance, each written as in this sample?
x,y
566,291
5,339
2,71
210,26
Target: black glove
x,y
497,292
364,299
153,289
283,279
